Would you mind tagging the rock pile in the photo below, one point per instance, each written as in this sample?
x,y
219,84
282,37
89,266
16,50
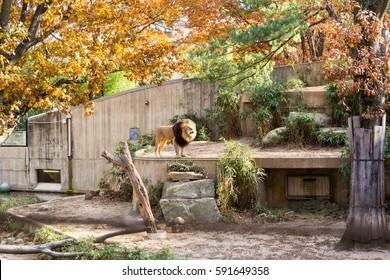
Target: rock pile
x,y
190,197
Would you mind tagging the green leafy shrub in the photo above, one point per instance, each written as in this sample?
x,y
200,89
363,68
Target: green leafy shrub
x,y
341,105
321,207
228,113
113,251
185,166
294,84
332,139
266,107
16,201
301,130
238,178
46,235
272,214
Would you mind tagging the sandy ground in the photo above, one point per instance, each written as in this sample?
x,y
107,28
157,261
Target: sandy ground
x,y
302,237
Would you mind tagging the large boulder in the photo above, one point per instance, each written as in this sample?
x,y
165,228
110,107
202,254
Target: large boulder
x,y
193,201
274,136
191,210
189,190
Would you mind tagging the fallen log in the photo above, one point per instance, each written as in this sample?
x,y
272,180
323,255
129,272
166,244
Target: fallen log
x,y
46,248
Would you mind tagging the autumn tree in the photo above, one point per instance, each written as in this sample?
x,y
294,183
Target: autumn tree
x,y
57,54
363,72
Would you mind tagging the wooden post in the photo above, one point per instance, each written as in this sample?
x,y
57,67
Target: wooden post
x,y
366,223
125,161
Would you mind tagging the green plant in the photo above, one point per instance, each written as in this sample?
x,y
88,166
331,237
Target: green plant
x,y
266,107
332,139
341,105
142,254
7,204
294,84
45,234
238,178
272,214
185,166
301,130
17,201
228,113
154,192
117,82
9,225
321,207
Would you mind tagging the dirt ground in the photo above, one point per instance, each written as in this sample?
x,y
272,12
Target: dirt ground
x,y
302,237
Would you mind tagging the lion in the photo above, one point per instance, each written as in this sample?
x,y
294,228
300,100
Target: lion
x,y
180,134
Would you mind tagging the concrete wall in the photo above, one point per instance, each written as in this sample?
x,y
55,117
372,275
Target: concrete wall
x,y
276,186
48,146
76,152
13,169
311,74
144,108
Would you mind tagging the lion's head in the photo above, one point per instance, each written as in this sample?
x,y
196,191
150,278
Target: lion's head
x,y
184,131
188,130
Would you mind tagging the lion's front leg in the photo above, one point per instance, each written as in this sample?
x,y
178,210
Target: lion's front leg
x,y
177,149
183,152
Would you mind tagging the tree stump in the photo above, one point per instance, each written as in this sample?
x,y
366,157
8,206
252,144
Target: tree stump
x,y
366,222
125,161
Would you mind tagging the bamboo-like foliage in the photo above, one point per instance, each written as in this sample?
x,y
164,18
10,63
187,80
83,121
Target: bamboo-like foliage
x,y
238,178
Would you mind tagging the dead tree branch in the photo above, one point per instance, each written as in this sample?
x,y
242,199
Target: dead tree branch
x,y
125,161
46,248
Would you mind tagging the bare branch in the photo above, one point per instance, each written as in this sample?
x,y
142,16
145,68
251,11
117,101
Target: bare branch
x,y
46,248
102,238
23,13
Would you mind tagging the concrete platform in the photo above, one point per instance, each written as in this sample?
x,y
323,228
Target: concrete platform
x,y
206,154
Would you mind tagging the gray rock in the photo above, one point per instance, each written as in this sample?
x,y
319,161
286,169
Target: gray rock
x,y
190,190
19,241
91,194
184,176
274,136
319,118
178,228
203,209
179,221
43,208
21,235
10,241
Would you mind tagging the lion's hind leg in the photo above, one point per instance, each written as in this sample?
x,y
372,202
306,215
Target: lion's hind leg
x,y
161,145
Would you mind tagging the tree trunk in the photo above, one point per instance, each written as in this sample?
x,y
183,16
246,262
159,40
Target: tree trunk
x,y
366,224
124,161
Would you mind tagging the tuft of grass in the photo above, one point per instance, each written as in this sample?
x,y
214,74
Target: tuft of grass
x,y
273,215
46,235
321,207
17,201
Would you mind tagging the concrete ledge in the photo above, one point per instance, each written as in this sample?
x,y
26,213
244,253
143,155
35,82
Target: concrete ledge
x,y
207,155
